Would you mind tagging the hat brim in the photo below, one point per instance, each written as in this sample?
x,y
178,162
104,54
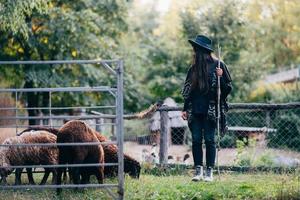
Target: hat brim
x,y
196,44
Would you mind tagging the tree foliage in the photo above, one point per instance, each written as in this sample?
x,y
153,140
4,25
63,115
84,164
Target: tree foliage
x,y
257,38
60,30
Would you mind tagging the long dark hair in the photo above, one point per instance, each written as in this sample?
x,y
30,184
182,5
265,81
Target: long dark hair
x,y
200,70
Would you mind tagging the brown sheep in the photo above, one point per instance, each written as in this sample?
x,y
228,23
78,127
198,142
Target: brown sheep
x,y
29,170
79,132
40,128
131,166
29,155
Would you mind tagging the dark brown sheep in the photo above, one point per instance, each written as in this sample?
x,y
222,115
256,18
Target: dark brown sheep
x,y
29,155
131,166
79,132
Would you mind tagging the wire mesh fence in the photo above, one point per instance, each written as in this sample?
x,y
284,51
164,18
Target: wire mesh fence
x,y
258,135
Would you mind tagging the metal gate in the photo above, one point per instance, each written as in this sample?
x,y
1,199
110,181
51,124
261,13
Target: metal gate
x,y
114,67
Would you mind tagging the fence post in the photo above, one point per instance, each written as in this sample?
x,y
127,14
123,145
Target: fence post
x,y
164,132
268,119
120,128
16,111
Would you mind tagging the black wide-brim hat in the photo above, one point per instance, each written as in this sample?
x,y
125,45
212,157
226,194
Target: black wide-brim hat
x,y
202,42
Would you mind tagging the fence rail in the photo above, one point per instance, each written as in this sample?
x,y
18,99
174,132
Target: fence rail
x,y
57,144
232,106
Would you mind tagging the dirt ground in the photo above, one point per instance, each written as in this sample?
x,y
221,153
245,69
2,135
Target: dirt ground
x,y
226,156
135,150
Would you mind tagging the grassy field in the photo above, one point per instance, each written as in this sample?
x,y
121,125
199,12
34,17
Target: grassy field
x,y
230,186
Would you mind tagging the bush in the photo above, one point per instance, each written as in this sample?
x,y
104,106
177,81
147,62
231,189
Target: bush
x,y
247,155
288,131
228,141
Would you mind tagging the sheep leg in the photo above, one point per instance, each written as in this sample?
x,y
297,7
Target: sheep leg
x,y
58,179
85,177
30,176
18,176
54,176
65,178
100,174
76,175
70,174
45,177
3,180
60,170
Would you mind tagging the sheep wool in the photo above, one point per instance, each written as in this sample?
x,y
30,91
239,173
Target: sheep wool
x,y
76,131
131,166
28,155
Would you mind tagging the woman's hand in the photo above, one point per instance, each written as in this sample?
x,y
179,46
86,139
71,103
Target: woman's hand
x,y
219,72
184,115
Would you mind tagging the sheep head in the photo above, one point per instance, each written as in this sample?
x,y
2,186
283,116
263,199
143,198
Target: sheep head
x,y
132,167
5,167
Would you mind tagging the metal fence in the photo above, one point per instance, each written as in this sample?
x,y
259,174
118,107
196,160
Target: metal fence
x,y
258,135
15,116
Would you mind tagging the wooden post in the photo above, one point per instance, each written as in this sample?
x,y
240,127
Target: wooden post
x,y
164,132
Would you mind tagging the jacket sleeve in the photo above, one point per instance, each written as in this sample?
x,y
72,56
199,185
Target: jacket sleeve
x,y
225,82
186,90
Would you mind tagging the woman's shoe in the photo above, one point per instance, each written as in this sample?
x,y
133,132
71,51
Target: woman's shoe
x,y
209,175
198,173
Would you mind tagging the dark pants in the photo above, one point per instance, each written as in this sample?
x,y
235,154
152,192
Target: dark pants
x,y
201,127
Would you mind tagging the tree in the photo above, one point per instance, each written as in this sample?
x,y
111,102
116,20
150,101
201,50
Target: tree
x,y
272,32
39,30
166,56
224,25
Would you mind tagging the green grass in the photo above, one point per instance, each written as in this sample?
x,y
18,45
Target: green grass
x,y
230,186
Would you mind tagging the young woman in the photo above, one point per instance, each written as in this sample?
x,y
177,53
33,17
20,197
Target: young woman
x,y
200,103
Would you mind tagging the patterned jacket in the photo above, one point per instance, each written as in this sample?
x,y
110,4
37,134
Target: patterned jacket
x,y
225,86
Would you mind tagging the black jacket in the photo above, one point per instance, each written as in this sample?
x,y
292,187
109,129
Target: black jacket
x,y
225,86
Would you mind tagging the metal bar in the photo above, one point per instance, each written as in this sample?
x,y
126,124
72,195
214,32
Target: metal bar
x,y
268,118
62,89
111,193
126,117
60,117
61,165
57,108
50,111
104,64
112,93
45,62
26,126
58,144
120,129
16,111
57,186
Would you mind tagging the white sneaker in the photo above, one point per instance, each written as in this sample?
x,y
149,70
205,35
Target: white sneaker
x,y
198,174
209,175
